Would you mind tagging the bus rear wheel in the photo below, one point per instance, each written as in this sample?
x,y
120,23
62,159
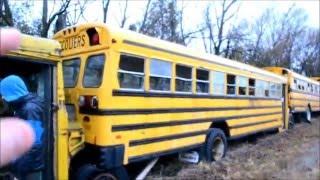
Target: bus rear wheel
x,y
91,172
216,145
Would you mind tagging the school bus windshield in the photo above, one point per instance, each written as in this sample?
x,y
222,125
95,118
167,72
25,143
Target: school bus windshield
x,y
93,71
71,72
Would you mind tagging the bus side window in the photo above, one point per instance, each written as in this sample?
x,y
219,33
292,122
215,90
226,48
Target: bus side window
x,y
262,88
266,89
242,83
202,81
231,84
160,75
273,90
131,72
183,79
252,87
218,82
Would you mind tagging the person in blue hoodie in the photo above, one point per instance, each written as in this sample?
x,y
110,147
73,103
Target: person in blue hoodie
x,y
29,107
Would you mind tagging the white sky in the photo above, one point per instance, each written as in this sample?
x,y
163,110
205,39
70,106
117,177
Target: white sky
x,y
249,9
193,11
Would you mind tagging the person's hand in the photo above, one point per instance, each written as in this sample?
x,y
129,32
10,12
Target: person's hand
x,y
9,40
16,136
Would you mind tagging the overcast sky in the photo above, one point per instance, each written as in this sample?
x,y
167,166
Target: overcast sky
x,y
193,11
249,9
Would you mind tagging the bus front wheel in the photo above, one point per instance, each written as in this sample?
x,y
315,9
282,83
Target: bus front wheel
x,y
91,172
216,145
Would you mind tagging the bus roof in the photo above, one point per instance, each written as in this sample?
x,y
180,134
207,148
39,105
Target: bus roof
x,y
296,75
134,38
38,47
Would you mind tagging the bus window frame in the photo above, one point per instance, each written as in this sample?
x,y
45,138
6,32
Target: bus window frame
x,y
76,81
238,77
212,72
160,76
203,81
231,85
183,79
145,77
103,72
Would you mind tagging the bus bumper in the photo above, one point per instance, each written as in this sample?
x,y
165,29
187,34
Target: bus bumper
x,y
105,157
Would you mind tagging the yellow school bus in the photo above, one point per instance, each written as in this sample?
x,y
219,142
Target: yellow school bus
x,y
139,98
304,92
37,62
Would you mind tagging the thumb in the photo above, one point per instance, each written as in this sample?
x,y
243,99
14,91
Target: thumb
x,y
9,40
16,138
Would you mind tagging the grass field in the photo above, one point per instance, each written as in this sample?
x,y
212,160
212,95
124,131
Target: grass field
x,y
293,154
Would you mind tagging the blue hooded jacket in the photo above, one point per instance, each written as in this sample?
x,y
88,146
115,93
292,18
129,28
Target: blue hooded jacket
x,y
29,107
12,88
26,106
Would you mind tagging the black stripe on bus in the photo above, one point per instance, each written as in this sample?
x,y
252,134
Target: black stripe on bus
x,y
167,110
166,138
129,127
253,132
163,153
252,124
180,95
187,148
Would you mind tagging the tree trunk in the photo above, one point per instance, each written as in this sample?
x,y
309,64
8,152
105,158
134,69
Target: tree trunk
x,y
105,6
5,13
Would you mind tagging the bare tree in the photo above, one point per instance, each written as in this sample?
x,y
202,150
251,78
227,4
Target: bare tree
x,y
145,16
47,21
105,6
124,17
75,11
309,53
5,13
216,30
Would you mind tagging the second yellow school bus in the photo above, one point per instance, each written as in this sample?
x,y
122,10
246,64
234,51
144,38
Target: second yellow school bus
x,y
303,92
138,98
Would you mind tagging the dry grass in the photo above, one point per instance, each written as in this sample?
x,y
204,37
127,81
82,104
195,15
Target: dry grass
x,y
293,154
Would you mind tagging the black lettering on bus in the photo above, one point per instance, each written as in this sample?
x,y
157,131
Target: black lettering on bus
x,y
75,44
70,44
83,40
79,41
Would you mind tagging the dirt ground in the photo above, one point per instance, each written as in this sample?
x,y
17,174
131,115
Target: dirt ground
x,y
293,154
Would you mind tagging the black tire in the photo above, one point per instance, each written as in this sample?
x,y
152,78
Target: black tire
x,y
216,145
91,172
291,121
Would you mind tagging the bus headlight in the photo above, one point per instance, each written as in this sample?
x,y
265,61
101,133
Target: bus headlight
x,y
81,101
94,102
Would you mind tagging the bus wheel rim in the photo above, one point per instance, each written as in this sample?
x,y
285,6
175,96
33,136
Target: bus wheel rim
x,y
218,149
105,176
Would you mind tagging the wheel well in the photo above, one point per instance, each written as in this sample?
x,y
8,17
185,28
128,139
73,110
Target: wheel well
x,y
221,125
